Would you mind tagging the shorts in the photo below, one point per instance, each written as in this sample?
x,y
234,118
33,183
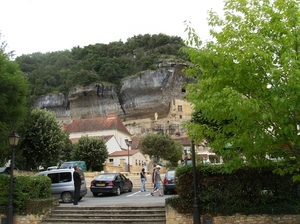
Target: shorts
x,y
157,185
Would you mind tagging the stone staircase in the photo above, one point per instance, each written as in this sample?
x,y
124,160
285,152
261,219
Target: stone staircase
x,y
106,215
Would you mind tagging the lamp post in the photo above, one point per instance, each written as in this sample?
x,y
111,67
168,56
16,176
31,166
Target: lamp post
x,y
128,143
185,156
13,141
196,205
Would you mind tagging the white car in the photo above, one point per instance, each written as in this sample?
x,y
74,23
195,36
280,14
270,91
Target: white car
x,y
52,168
62,184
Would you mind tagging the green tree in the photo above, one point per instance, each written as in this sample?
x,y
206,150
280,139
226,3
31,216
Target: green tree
x,y
13,94
160,146
44,139
249,74
91,150
67,150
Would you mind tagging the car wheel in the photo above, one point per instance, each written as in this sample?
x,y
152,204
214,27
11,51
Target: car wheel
x,y
67,197
165,191
95,194
118,192
130,188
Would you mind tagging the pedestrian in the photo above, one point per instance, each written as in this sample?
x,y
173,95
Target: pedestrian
x,y
157,179
77,184
143,180
153,181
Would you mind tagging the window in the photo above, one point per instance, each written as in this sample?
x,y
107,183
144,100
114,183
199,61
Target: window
x,y
111,160
65,177
54,177
180,116
179,108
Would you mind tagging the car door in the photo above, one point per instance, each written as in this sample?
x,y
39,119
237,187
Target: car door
x,y
120,182
126,182
61,182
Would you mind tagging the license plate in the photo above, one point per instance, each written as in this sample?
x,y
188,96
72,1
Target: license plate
x,y
100,185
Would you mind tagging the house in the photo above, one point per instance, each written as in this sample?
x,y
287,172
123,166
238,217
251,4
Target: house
x,y
110,125
136,159
111,143
114,133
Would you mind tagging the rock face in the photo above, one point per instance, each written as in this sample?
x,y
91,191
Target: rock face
x,y
140,96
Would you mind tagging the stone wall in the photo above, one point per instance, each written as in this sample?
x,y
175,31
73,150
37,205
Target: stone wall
x,y
24,219
172,217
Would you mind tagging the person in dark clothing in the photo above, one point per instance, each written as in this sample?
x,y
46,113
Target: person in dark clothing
x,y
143,179
153,181
77,183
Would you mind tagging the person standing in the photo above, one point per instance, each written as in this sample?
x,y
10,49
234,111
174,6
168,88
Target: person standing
x,y
157,180
153,181
143,180
77,184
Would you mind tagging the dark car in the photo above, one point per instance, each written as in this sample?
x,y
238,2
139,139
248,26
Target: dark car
x,y
169,182
110,183
4,170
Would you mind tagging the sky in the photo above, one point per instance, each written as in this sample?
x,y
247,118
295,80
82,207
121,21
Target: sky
x,y
30,26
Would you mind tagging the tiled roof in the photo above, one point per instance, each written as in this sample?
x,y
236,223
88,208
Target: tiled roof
x,y
124,153
185,141
105,138
110,122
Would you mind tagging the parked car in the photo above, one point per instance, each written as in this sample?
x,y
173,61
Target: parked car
x,y
188,162
71,164
169,182
52,167
110,183
62,184
6,170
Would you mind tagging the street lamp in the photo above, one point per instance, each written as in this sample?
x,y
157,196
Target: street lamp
x,y
185,156
128,143
196,205
13,141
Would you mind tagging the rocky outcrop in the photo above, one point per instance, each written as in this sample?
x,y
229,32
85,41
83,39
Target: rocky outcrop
x,y
140,96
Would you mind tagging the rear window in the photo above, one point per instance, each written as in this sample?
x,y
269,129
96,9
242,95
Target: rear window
x,y
105,177
171,174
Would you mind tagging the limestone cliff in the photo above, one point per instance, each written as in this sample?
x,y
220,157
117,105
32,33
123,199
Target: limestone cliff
x,y
140,96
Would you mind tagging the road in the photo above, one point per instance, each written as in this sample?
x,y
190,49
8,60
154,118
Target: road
x,y
134,198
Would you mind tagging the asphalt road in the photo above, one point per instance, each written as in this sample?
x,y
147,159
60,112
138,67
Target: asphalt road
x,y
134,198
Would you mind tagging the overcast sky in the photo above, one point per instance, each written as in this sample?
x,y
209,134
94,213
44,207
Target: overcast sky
x,y
30,26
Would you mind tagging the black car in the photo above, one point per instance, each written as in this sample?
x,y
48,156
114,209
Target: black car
x,y
110,183
4,170
169,182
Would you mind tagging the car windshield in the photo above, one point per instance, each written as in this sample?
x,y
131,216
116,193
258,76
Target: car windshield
x,y
106,177
66,166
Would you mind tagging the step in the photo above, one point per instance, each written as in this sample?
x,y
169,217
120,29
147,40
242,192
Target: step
x,y
103,221
133,215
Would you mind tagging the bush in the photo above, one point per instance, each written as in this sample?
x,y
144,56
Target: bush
x,y
246,191
25,188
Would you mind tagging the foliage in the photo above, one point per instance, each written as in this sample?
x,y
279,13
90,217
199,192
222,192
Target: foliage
x,y
44,140
92,150
160,146
13,93
248,190
60,71
248,74
23,192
